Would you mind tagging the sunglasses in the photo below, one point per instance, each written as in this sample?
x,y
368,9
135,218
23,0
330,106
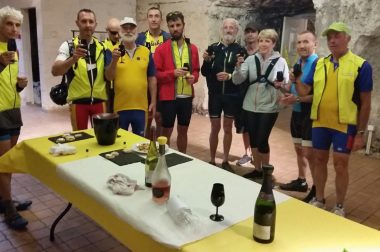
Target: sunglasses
x,y
114,32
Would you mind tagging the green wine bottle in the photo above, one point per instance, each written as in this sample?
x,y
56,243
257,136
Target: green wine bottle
x,y
151,157
265,210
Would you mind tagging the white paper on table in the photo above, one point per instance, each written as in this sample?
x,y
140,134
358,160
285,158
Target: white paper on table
x,y
192,181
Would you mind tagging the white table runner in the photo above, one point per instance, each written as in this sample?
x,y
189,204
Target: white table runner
x,y
191,182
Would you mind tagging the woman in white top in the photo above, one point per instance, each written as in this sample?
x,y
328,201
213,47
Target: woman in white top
x,y
266,71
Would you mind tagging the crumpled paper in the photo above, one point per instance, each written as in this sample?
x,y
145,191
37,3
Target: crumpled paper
x,y
122,184
181,213
62,149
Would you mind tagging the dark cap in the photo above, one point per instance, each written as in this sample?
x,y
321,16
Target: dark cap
x,y
251,27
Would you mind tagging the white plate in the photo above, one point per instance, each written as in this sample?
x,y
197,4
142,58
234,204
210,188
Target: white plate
x,y
143,147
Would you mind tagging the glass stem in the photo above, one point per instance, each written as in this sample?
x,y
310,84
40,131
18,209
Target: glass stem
x,y
216,211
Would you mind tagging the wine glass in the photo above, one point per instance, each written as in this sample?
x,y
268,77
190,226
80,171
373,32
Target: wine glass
x,y
217,199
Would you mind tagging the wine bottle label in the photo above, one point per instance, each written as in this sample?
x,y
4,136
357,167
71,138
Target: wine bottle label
x,y
261,232
157,192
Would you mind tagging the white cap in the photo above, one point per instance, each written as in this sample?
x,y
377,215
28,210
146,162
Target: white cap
x,y
127,20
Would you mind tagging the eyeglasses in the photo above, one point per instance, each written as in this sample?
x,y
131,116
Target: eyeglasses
x,y
114,32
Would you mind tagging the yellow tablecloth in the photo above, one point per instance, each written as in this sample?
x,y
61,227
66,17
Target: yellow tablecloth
x,y
299,227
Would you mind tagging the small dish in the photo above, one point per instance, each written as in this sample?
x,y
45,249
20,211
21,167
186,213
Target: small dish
x,y
143,147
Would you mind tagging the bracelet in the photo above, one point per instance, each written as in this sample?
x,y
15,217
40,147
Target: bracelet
x,y
360,132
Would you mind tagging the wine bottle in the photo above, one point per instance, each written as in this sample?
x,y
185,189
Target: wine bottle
x,y
265,210
151,156
161,179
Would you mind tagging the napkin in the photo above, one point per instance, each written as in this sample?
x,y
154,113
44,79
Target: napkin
x,y
122,184
180,212
62,149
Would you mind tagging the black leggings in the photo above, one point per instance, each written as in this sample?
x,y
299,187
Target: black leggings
x,y
259,127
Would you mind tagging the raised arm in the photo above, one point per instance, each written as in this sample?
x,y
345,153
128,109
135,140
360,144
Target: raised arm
x,y
64,61
240,73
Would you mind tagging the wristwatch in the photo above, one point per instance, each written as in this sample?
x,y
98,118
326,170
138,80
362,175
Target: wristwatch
x,y
360,132
298,99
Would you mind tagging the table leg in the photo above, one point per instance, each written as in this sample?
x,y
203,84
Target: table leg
x,y
57,220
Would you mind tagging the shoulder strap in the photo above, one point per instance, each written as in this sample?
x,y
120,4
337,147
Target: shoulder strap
x,y
190,55
270,67
267,72
258,66
258,70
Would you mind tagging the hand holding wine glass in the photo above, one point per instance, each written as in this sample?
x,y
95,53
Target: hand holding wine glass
x,y
217,199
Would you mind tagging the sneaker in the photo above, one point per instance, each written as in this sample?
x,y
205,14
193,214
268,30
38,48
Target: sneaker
x,y
244,160
310,195
338,210
226,166
20,205
317,203
255,174
298,185
16,221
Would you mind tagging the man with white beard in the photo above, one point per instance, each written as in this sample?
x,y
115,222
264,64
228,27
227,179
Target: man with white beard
x,y
219,63
132,71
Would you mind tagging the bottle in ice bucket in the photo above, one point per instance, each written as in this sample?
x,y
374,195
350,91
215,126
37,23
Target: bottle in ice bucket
x,y
265,210
151,156
161,179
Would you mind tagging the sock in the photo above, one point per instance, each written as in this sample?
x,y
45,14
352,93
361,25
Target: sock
x,y
339,205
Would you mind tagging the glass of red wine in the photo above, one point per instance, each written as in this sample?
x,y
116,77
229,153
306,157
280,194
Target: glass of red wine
x,y
217,199
280,76
186,66
12,47
122,52
83,44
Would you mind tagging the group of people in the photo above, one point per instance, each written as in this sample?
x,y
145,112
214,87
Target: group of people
x,y
150,76
141,76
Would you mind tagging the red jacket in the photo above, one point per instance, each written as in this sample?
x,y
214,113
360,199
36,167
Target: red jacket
x,y
163,60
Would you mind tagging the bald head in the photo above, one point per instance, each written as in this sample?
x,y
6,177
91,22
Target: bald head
x,y
113,29
113,23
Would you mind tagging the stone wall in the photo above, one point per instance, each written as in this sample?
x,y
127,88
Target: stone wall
x,y
364,19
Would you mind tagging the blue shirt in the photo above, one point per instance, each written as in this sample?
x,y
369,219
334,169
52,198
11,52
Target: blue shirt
x,y
151,67
305,71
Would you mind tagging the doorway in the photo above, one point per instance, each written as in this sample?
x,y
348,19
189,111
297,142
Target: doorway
x,y
35,65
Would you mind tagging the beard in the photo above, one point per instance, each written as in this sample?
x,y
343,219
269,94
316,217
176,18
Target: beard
x,y
129,37
176,36
228,38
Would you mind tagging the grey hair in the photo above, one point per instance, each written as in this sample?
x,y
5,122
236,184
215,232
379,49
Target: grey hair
x,y
8,11
234,21
237,26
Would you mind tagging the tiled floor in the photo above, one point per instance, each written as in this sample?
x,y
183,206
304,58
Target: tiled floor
x,y
76,232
